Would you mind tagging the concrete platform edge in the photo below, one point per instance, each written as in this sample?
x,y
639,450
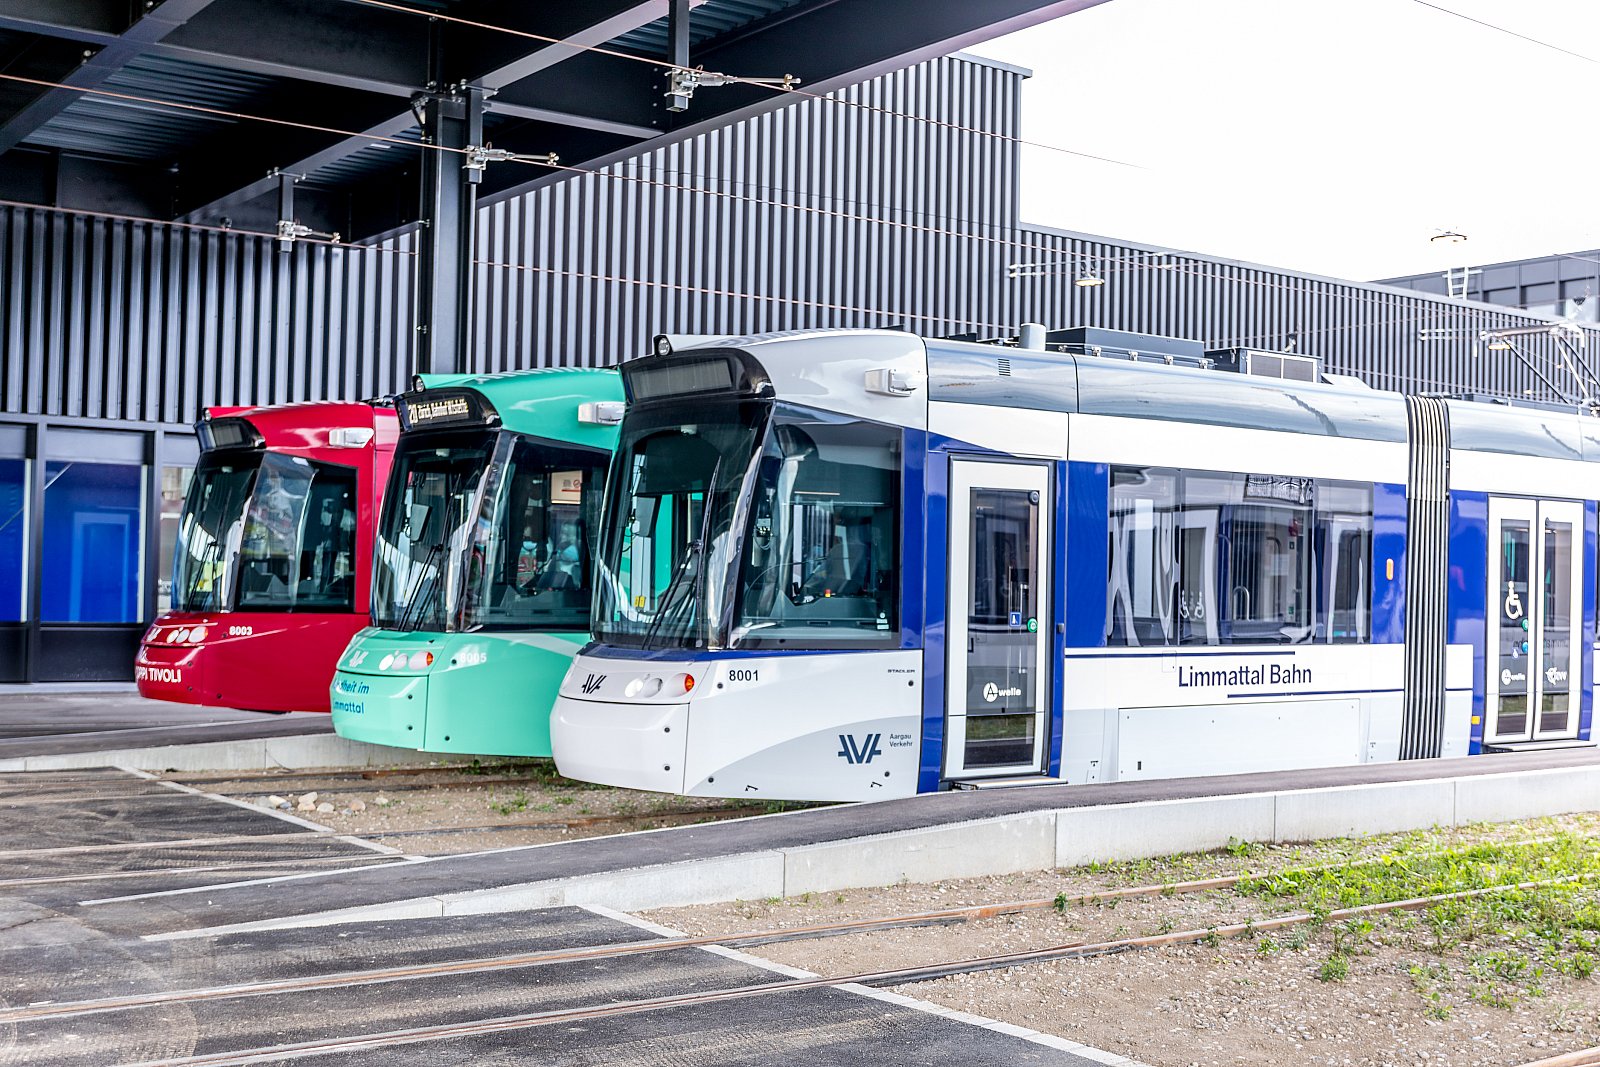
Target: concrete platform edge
x,y
1037,840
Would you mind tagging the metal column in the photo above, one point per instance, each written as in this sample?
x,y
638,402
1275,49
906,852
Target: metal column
x,y
453,122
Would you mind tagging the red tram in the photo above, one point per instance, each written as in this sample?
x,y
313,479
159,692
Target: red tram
x,y
274,557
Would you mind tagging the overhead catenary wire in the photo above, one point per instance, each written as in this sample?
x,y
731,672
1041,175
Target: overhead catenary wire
x,y
1173,262
1177,262
1508,32
229,231
763,83
893,316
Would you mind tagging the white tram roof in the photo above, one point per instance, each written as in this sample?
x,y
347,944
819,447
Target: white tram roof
x,y
826,369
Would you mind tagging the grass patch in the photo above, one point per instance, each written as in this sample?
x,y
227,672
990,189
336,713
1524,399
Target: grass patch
x,y
1498,949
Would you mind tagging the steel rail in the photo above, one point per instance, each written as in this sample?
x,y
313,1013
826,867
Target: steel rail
x,y
1584,1057
896,976
576,822
942,916
313,784
353,859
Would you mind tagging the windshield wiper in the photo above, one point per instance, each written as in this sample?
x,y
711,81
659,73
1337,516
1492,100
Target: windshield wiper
x,y
210,556
413,604
668,605
691,557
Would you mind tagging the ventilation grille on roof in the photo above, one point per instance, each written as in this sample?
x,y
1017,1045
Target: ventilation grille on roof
x,y
1290,366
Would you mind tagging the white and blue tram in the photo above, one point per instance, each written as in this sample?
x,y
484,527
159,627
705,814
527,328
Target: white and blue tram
x,y
851,565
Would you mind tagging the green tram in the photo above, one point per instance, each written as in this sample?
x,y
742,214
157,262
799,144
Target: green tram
x,y
481,574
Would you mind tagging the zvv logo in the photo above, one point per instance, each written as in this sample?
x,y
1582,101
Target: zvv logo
x,y
851,753
593,682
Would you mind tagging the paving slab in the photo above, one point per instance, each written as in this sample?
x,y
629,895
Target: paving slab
x,y
51,723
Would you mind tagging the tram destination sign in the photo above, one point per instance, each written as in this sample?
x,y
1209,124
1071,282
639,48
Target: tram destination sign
x,y
442,407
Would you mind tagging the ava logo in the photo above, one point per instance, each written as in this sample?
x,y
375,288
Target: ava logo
x,y
992,692
591,683
1555,675
1513,602
850,752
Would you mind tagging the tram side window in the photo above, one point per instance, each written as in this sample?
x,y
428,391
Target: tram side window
x,y
1344,561
1217,558
821,554
1142,594
530,563
299,545
1266,531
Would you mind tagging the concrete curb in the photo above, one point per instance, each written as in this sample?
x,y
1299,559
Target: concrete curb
x,y
286,752
1028,841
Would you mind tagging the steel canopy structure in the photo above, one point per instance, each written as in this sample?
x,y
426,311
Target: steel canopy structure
x,y
357,117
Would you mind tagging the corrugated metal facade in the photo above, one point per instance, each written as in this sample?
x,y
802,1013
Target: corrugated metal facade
x,y
825,213
820,214
107,319
1410,343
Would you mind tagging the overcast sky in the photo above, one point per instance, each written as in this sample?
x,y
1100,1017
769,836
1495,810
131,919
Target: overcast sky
x,y
1335,138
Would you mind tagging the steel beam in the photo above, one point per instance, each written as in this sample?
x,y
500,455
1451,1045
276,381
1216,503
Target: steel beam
x,y
241,41
864,39
98,22
157,23
528,59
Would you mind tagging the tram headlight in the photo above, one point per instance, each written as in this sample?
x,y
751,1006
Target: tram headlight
x,y
688,682
383,664
181,637
197,634
647,686
419,660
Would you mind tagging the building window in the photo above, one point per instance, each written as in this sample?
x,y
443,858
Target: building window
x,y
13,540
174,488
93,555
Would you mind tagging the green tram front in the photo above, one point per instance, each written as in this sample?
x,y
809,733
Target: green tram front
x,y
481,581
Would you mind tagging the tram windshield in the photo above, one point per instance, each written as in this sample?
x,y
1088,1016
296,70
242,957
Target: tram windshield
x,y
487,530
262,531
744,524
212,513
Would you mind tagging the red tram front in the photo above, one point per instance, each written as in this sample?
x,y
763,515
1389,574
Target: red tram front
x,y
274,557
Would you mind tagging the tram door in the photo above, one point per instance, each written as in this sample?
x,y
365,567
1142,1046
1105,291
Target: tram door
x,y
1535,611
998,634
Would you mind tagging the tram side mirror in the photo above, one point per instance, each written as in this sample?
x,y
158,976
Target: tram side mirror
x,y
417,521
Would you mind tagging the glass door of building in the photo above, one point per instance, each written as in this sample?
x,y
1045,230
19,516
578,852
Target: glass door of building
x,y
1535,608
997,635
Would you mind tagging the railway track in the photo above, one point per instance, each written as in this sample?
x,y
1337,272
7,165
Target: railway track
x,y
568,1016
754,938
132,788
1585,1057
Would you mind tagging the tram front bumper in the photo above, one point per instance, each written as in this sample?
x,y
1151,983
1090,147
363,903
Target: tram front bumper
x,y
636,746
379,710
168,672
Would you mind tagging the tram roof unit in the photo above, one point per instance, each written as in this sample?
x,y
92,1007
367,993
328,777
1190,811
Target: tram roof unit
x,y
804,365
577,404
310,426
